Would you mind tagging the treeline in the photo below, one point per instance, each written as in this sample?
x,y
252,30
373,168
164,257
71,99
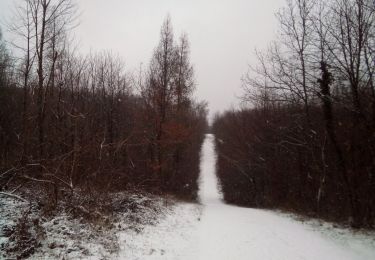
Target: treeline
x,y
306,142
79,122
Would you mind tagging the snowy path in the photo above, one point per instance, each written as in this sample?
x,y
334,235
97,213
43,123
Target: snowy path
x,y
229,232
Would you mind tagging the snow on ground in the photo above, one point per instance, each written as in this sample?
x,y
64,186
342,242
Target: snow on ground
x,y
361,243
166,240
9,213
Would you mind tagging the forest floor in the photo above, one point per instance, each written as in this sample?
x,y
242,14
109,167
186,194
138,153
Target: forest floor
x,y
150,227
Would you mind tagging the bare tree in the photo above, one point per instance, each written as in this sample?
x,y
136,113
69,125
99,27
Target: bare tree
x,y
49,20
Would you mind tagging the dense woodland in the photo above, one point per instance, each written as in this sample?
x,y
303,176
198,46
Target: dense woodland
x,y
305,139
73,123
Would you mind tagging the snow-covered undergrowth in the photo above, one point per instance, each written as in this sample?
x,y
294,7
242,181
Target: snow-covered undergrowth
x,y
27,233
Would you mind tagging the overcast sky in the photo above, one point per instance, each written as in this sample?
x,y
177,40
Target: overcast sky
x,y
223,35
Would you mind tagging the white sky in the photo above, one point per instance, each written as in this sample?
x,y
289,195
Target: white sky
x,y
223,35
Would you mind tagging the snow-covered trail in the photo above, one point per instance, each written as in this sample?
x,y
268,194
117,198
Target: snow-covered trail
x,y
230,232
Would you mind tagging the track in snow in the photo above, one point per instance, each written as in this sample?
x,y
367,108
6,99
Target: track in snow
x,y
230,232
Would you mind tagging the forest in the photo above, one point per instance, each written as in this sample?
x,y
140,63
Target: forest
x,y
304,140
74,124
103,159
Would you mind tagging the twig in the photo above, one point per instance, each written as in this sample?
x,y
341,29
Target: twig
x,y
19,186
4,173
61,180
13,196
37,180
